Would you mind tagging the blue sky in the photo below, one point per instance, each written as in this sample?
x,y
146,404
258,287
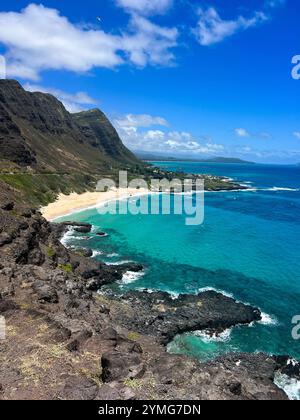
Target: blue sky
x,y
189,78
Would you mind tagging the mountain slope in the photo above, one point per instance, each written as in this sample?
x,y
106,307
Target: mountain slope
x,y
100,134
37,130
45,150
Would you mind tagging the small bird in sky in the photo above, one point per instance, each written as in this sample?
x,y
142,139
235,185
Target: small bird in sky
x,y
99,19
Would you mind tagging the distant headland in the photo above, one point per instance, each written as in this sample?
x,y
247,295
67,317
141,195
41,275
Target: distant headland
x,y
150,157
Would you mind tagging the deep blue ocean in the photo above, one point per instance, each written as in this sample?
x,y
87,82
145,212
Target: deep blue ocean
x,y
248,247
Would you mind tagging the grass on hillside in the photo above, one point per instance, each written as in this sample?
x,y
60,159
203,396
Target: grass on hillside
x,y
42,189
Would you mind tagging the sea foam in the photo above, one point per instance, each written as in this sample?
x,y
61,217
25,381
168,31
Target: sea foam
x,y
267,319
131,276
67,237
119,262
97,253
290,386
212,289
282,189
206,337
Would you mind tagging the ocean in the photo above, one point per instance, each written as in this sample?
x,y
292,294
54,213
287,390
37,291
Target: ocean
x,y
248,247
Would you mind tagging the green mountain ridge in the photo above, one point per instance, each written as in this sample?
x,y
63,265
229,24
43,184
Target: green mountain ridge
x,y
45,150
40,126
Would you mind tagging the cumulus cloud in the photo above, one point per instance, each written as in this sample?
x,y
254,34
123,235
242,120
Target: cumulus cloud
x,y
176,142
149,43
212,29
145,6
39,38
75,102
142,120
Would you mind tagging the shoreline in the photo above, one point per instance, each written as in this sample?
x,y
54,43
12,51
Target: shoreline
x,y
66,205
73,203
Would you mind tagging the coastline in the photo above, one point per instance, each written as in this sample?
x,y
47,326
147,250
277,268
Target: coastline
x,y
66,205
73,203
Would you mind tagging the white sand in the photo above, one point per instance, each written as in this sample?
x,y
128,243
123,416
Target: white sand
x,y
68,204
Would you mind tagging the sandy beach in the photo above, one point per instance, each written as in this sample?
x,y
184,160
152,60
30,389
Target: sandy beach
x,y
68,204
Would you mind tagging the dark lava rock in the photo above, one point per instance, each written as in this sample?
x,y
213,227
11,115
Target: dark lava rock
x,y
79,388
45,292
107,274
82,229
78,340
7,305
243,376
122,362
134,267
84,252
102,234
235,388
102,279
288,366
117,366
27,213
8,206
108,393
159,315
23,226
5,238
78,226
89,274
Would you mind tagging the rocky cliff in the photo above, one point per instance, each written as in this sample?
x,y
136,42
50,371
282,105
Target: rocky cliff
x,y
45,150
41,129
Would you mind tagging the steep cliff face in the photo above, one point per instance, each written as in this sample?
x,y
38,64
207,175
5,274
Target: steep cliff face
x,y
13,146
100,134
36,129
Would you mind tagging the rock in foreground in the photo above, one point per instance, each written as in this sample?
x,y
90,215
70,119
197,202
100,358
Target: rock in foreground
x,y
65,342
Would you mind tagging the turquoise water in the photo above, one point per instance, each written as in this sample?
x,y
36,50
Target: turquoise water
x,y
248,246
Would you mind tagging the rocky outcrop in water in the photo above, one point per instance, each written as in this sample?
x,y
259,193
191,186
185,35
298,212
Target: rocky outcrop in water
x,y
164,317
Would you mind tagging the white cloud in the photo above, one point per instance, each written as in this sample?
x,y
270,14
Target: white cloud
x,y
158,141
149,43
40,38
212,28
73,102
142,120
145,6
296,134
242,132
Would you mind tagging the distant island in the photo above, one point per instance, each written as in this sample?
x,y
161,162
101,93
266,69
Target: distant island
x,y
149,157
